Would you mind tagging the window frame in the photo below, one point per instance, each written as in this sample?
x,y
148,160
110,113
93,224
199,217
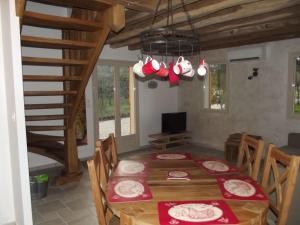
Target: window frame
x,y
116,65
291,85
217,111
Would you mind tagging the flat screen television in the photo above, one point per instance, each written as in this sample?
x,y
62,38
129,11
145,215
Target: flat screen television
x,y
173,122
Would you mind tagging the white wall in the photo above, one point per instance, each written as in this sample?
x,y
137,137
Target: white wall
x,y
152,102
15,203
257,106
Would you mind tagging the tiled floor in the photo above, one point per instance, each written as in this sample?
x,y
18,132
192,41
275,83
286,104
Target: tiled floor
x,y
73,204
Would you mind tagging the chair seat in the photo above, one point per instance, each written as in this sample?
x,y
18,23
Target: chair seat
x,y
270,221
114,221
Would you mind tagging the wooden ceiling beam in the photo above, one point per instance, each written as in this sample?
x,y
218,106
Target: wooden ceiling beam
x,y
137,18
178,17
284,13
231,26
194,9
240,11
232,32
138,5
250,41
245,39
279,24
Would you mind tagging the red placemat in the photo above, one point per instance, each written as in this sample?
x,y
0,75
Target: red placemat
x,y
128,189
132,168
217,166
240,188
178,175
171,156
195,212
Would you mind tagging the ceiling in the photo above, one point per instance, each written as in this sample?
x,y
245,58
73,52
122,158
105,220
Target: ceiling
x,y
219,23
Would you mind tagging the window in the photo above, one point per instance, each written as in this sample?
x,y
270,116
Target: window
x,y
116,99
106,99
296,84
215,87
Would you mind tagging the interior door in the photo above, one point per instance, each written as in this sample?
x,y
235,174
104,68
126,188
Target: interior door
x,y
116,103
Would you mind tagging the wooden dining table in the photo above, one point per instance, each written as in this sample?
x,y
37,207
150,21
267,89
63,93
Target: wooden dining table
x,y
202,186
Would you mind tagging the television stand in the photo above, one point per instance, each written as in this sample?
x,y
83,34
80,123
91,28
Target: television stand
x,y
167,140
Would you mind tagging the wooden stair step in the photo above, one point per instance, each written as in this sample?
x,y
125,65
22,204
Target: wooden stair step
x,y
45,117
91,4
46,145
49,145
45,128
33,137
42,42
46,106
50,78
52,62
53,153
59,22
52,138
49,93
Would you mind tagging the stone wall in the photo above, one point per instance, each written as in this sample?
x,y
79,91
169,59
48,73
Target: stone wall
x,y
257,106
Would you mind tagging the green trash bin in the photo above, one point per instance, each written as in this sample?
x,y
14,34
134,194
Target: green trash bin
x,y
39,186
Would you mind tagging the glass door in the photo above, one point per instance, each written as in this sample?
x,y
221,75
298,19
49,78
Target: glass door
x,y
106,100
116,102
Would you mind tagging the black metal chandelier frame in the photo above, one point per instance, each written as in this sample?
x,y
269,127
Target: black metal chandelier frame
x,y
168,41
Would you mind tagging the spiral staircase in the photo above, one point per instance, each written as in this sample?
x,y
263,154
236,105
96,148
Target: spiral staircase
x,y
83,34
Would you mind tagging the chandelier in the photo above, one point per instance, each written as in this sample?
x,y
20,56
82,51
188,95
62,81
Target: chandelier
x,y
169,42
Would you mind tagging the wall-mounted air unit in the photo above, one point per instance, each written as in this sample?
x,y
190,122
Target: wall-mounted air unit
x,y
246,54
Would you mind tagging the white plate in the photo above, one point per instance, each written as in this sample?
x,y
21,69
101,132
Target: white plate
x,y
215,166
239,187
131,167
192,212
171,156
178,173
129,188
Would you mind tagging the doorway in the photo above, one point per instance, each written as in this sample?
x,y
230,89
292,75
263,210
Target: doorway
x,y
116,103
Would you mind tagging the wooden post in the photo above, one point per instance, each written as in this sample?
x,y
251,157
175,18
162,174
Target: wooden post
x,y
72,171
116,17
72,165
132,102
20,6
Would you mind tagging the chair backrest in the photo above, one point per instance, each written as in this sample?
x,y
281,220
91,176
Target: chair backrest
x,y
250,155
108,156
279,180
109,146
96,171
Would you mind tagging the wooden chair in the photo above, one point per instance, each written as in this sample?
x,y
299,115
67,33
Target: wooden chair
x,y
96,171
108,156
250,155
279,180
104,213
109,146
231,146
